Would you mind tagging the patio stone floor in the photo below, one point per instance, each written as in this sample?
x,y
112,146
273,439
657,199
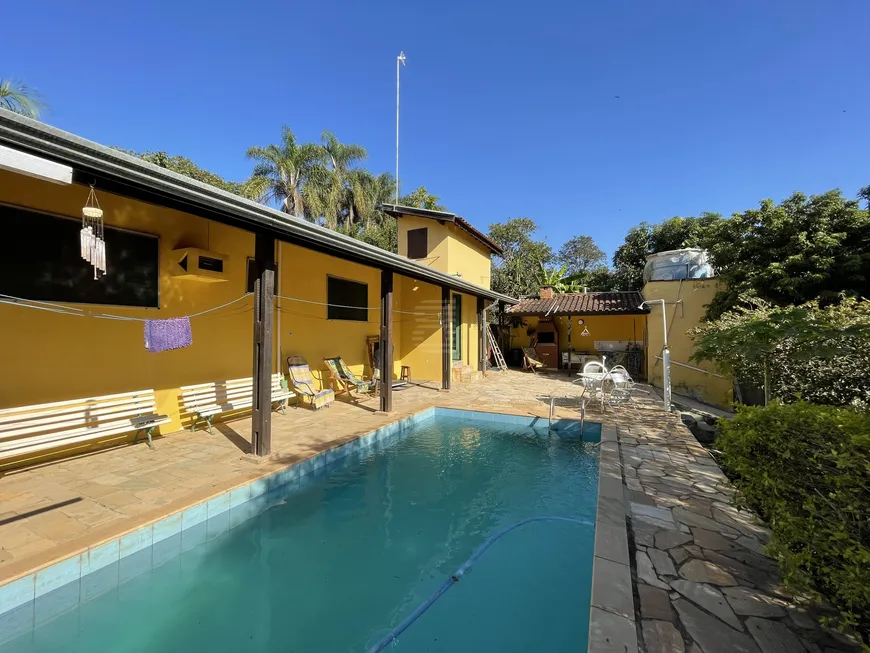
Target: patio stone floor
x,y
702,583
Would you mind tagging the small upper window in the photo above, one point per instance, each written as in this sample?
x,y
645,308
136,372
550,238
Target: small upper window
x,y
418,243
347,299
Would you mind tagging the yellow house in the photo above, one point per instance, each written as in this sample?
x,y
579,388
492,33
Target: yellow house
x,y
258,285
447,243
567,329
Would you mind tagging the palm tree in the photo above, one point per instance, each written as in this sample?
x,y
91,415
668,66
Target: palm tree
x,y
336,200
367,192
18,98
282,172
422,199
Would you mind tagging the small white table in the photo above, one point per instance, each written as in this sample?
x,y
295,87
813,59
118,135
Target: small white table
x,y
595,380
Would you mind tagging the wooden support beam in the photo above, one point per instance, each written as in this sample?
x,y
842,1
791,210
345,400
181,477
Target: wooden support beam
x,y
481,334
385,348
570,350
446,325
505,347
264,294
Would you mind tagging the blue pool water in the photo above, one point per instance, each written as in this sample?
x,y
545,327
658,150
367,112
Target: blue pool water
x,y
341,556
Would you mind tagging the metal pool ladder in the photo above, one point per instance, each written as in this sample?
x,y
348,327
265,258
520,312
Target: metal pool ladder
x,y
553,408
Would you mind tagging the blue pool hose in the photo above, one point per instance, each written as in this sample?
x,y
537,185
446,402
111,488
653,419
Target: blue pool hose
x,y
466,566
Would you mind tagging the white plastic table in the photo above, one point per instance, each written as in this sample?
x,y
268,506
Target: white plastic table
x,y
594,381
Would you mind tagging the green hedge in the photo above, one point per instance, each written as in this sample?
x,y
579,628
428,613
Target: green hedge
x,y
805,469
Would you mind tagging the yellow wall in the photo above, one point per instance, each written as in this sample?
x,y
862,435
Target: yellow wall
x,y
419,335
437,240
451,250
49,357
468,257
305,329
601,327
470,345
695,295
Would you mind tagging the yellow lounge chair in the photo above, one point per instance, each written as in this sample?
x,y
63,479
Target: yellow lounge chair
x,y
303,384
343,380
530,360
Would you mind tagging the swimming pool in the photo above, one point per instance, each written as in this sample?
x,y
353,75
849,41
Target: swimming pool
x,y
333,560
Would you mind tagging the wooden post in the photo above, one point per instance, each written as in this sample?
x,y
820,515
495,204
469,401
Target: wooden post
x,y
570,350
264,294
385,348
505,346
446,325
481,335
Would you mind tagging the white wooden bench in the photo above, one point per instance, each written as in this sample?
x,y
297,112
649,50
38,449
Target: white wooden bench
x,y
32,429
205,400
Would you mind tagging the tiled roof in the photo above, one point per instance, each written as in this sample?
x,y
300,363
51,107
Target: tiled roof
x,y
588,303
465,224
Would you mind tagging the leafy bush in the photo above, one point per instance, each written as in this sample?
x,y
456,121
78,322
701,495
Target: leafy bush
x,y
805,352
805,469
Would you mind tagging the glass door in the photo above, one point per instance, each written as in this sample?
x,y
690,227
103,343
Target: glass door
x,y
457,327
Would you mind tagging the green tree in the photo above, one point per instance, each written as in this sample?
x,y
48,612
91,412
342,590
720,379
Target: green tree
x,y
580,254
803,249
18,98
600,279
184,166
561,281
329,190
282,171
368,192
515,272
819,353
645,239
422,199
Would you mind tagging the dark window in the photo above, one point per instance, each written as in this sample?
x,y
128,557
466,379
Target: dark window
x,y
546,338
42,261
251,275
347,299
418,243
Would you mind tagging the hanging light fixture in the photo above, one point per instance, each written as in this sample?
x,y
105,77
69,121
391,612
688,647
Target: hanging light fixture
x,y
92,235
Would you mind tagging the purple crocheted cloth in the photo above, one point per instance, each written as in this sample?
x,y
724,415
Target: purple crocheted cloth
x,y
163,335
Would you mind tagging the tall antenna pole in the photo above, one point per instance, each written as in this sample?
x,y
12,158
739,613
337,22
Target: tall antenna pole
x,y
399,59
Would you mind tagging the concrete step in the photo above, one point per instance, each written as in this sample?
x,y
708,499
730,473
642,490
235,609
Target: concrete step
x,y
465,374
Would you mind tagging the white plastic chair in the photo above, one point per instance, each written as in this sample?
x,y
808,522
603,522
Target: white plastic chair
x,y
594,367
623,389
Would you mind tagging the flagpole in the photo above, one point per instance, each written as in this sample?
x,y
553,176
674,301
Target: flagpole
x,y
399,59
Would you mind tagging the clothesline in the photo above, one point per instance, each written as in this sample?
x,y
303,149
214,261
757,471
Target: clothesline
x,y
358,308
62,309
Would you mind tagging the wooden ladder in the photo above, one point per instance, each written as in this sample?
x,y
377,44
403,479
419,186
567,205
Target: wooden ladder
x,y
500,363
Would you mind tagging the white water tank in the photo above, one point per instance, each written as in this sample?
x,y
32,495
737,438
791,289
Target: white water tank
x,y
689,263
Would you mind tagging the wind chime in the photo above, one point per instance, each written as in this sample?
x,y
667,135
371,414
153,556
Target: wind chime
x,y
93,235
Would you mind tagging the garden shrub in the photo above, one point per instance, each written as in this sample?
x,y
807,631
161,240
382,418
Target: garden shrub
x,y
805,469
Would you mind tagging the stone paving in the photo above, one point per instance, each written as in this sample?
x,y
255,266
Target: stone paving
x,y
704,583
701,580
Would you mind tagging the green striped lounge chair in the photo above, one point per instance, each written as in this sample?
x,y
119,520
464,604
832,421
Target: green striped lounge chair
x,y
343,380
303,384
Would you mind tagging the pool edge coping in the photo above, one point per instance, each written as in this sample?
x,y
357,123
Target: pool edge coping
x,y
74,561
612,616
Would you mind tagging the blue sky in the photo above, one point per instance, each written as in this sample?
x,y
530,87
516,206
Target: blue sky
x,y
508,108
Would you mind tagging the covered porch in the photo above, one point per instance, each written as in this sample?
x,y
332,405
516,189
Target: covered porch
x,y
264,286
